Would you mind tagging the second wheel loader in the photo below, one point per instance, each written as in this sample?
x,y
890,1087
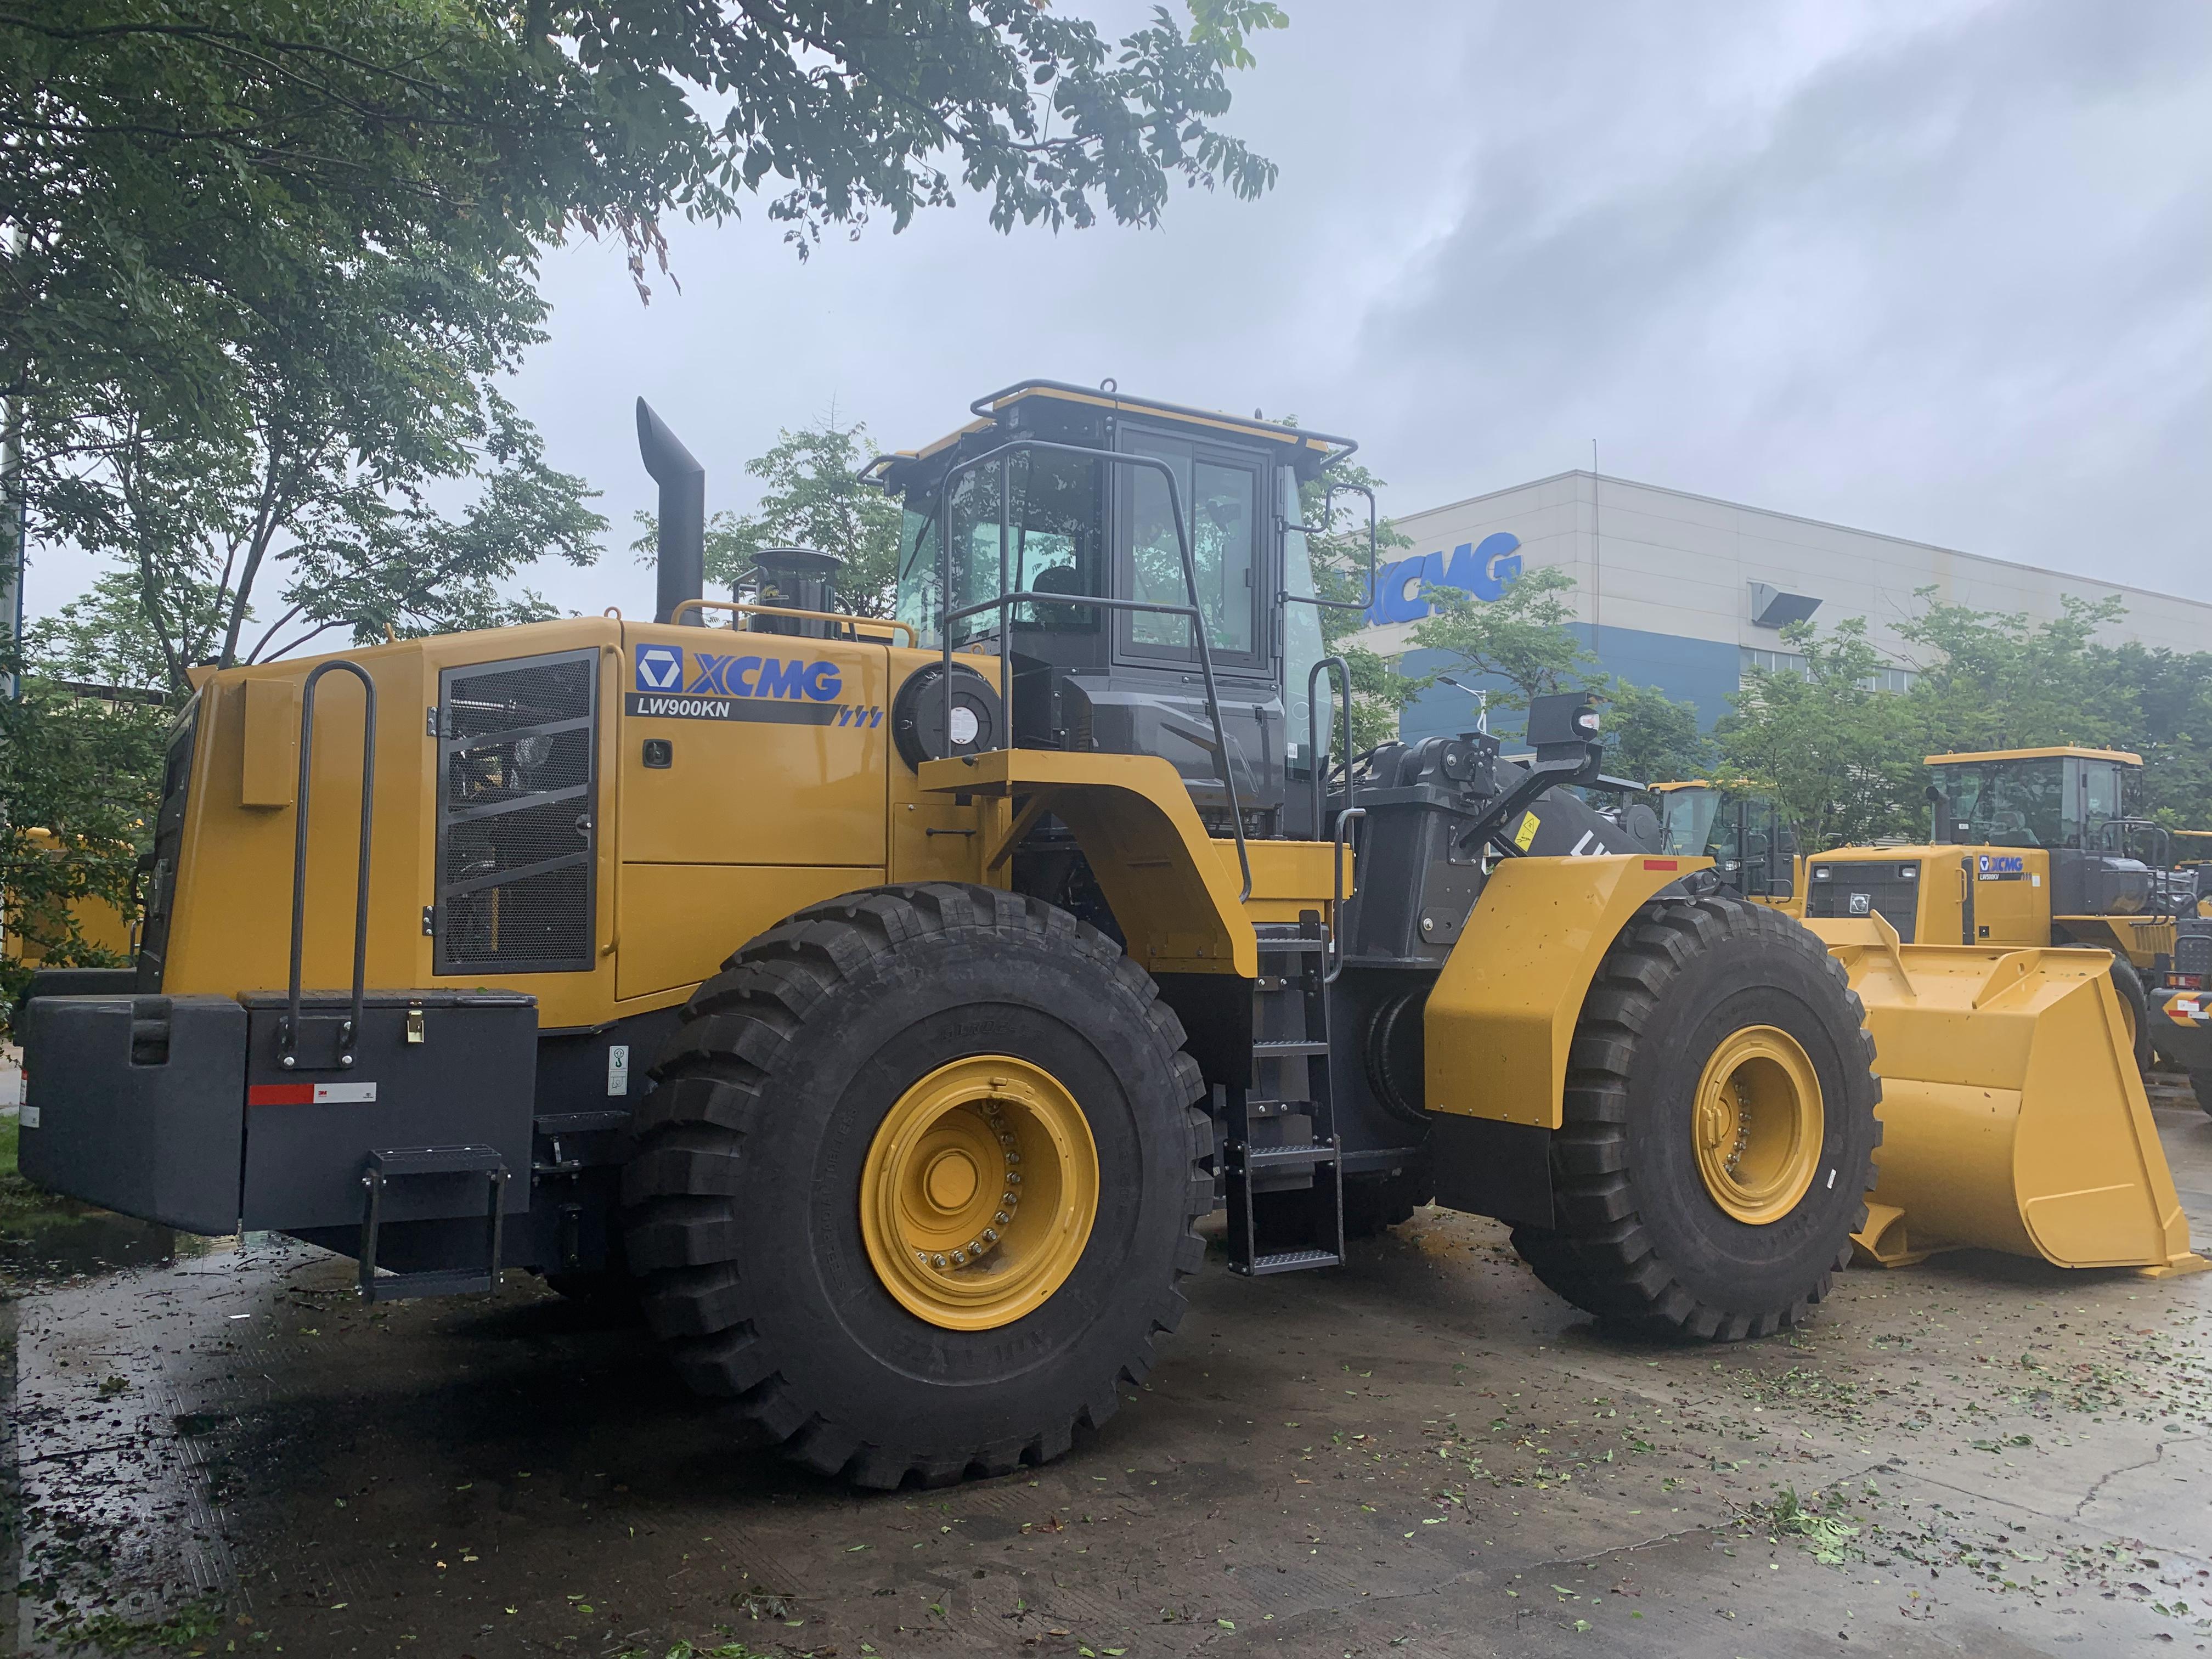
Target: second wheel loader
x,y
885,999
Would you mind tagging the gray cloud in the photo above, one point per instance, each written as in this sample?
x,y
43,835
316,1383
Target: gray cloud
x,y
1939,269
1950,278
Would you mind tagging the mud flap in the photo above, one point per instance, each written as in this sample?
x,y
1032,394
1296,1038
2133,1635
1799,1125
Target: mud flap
x,y
2013,1115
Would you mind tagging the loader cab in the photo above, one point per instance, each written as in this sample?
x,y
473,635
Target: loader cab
x,y
1752,845
1028,502
2045,798
2069,803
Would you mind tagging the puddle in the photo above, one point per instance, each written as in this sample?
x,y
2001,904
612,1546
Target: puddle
x,y
75,1241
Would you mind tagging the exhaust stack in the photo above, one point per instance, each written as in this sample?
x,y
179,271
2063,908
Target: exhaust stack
x,y
681,559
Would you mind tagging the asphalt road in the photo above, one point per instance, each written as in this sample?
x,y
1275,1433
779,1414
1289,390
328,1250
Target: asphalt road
x,y
1422,1453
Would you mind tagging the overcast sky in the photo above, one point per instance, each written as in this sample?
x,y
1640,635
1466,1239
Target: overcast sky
x,y
1942,270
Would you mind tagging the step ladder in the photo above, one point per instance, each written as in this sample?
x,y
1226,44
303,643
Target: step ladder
x,y
450,1166
1280,1132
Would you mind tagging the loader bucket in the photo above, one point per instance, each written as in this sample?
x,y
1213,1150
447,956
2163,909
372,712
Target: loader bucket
x,y
2012,1117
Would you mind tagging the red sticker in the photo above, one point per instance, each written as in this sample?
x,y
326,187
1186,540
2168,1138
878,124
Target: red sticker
x,y
1662,864
281,1094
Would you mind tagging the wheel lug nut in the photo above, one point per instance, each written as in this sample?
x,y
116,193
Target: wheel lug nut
x,y
1002,1218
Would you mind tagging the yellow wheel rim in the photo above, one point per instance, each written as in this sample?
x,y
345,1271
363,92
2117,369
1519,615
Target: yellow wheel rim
x,y
979,1192
1757,1124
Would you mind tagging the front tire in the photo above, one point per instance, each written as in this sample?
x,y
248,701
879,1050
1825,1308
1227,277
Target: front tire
x,y
1719,1128
2134,1005
835,1102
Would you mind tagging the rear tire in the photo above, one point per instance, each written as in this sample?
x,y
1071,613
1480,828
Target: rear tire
x,y
2201,1082
1642,1238
746,1206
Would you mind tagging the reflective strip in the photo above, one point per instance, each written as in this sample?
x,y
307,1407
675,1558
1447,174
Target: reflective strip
x,y
310,1094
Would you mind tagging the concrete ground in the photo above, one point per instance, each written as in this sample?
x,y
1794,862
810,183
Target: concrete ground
x,y
222,1451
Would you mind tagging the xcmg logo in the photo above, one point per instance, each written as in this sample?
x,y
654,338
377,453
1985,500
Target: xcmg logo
x,y
715,674
671,682
1481,568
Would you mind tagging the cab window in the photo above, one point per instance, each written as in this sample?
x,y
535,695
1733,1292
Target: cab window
x,y
2099,798
2010,804
1219,492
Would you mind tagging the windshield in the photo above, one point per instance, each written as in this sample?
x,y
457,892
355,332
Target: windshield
x,y
1687,815
1052,545
2015,803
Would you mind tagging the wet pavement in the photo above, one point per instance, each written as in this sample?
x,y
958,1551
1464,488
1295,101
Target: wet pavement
x,y
1422,1453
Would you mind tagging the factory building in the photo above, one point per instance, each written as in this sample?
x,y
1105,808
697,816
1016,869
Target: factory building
x,y
1684,593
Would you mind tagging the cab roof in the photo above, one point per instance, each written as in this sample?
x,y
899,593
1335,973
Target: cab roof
x,y
2062,752
1312,449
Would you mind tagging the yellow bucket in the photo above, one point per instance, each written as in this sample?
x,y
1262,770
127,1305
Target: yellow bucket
x,y
2012,1117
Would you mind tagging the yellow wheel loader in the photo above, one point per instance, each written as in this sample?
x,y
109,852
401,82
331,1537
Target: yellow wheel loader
x,y
884,1000
2022,1141
2034,846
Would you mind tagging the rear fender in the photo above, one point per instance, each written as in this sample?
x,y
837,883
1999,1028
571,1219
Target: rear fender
x,y
1175,895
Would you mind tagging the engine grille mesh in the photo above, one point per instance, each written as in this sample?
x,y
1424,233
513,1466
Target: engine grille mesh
x,y
517,766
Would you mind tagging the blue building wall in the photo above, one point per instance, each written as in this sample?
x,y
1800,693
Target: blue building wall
x,y
1701,672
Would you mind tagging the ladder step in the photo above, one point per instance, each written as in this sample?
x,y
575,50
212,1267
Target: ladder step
x,y
1269,944
446,1281
1254,1156
1290,1262
1286,1050
401,1163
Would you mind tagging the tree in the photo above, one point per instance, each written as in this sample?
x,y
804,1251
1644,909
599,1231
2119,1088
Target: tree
x,y
173,167
77,777
308,496
2005,681
815,497
2172,694
1653,739
1520,641
105,636
1337,555
1836,752
274,255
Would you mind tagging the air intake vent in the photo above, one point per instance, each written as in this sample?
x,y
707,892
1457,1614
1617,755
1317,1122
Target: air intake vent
x,y
517,776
